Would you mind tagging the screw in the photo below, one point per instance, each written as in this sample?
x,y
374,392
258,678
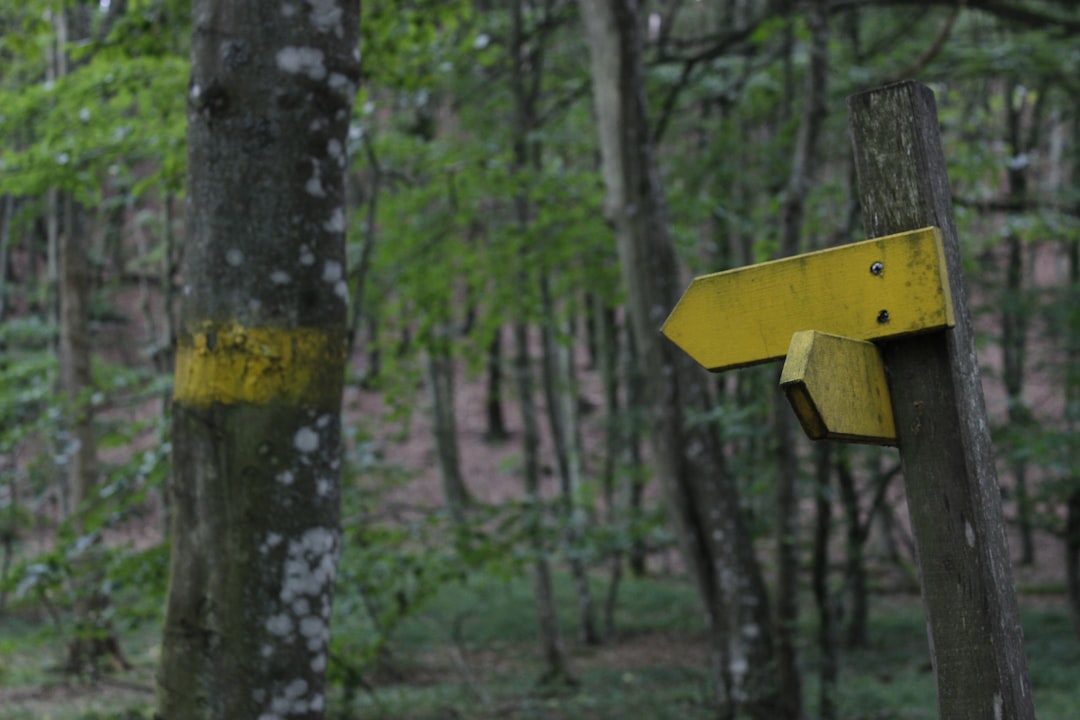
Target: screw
x,y
883,317
877,268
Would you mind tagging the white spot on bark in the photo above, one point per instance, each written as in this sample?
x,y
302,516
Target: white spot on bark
x,y
335,150
336,223
195,91
342,84
331,271
280,277
316,703
272,541
318,664
314,185
286,478
288,9
969,532
280,625
306,440
301,607
326,16
751,630
323,487
314,629
306,256
718,535
258,695
266,651
323,421
341,289
309,568
234,257
296,689
998,709
304,60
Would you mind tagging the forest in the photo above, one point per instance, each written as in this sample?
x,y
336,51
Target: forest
x,y
332,381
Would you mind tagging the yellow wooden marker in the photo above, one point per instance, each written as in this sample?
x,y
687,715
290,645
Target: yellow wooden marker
x,y
838,389
893,285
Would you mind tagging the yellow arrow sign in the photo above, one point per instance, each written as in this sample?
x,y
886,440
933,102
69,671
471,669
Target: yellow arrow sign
x,y
838,389
893,285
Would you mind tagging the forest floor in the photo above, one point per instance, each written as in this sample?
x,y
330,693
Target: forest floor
x,y
471,651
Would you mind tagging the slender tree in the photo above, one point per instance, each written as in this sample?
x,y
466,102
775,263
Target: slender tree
x,y
260,361
703,497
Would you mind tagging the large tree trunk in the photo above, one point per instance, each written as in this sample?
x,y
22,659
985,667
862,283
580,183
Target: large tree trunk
x,y
702,496
260,362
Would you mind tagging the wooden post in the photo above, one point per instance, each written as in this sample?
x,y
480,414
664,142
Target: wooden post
x,y
976,641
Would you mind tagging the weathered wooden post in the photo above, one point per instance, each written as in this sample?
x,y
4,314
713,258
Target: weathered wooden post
x,y
915,386
952,488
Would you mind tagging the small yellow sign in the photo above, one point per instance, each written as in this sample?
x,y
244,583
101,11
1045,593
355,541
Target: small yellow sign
x,y
889,286
838,389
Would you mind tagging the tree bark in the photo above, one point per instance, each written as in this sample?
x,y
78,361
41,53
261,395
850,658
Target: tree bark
x,y
260,362
702,496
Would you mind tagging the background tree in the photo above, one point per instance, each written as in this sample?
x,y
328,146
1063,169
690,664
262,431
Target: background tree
x,y
703,498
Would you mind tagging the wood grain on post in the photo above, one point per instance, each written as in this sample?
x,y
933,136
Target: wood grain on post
x,y
976,641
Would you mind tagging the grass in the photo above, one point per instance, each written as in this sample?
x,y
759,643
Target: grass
x,y
488,666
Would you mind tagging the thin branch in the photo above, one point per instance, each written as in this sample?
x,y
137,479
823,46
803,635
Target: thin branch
x,y
931,52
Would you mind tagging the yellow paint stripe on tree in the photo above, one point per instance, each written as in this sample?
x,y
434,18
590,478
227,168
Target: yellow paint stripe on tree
x,y
232,364
891,286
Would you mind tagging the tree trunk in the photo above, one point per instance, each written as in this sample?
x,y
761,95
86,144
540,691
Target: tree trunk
x,y
606,357
551,644
1072,413
440,373
6,213
527,66
803,167
260,362
826,605
1014,326
576,515
702,496
496,421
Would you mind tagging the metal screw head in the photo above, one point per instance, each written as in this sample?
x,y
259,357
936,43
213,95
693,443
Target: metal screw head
x,y
877,268
883,317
